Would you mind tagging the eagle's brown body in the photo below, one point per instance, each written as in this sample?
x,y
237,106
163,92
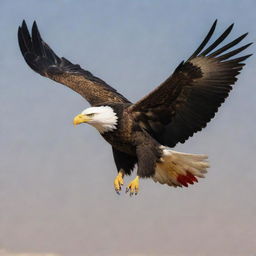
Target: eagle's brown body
x,y
123,138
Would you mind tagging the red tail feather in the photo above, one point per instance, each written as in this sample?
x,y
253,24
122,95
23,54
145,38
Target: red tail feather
x,y
186,179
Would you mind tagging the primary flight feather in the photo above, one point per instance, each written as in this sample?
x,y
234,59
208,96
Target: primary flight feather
x,y
141,133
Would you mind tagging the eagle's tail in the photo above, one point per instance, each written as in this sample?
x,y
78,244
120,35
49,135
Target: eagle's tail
x,y
180,169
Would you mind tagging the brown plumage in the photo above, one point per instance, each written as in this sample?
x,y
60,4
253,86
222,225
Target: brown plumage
x,y
140,133
41,58
190,97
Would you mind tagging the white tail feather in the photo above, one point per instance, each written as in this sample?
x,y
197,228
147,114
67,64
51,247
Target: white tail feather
x,y
180,169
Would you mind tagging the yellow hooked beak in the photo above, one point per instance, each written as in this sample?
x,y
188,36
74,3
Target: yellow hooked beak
x,y
79,119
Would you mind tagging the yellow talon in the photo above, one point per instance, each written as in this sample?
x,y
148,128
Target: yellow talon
x,y
119,182
133,187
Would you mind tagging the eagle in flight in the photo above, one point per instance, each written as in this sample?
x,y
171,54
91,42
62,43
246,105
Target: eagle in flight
x,y
142,133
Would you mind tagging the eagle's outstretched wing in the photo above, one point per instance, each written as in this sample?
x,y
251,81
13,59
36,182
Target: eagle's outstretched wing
x,y
41,58
190,97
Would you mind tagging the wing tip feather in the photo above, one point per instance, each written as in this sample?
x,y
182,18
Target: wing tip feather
x,y
205,40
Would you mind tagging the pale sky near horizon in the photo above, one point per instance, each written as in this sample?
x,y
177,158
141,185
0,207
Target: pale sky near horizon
x,y
56,181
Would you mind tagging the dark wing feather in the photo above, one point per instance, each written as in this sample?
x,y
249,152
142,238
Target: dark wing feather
x,y
41,58
190,97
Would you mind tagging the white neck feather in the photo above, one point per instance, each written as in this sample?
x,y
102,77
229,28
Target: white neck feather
x,y
104,118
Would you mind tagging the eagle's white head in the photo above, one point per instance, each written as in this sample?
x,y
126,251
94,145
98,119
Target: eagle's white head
x,y
103,118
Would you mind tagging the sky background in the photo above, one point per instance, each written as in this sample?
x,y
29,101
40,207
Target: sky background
x,y
56,181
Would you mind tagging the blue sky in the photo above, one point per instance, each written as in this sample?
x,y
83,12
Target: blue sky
x,y
56,192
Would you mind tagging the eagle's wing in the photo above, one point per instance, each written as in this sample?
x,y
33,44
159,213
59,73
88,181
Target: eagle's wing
x,y
190,97
41,58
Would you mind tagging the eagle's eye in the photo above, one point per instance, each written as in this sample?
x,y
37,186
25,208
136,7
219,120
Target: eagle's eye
x,y
90,115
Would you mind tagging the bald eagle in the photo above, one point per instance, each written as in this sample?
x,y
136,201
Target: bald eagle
x,y
142,133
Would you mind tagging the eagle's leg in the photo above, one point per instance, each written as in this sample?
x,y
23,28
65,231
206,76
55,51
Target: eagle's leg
x,y
119,182
124,165
148,153
133,187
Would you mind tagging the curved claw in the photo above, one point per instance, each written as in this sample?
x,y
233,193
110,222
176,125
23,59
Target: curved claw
x,y
133,187
119,182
